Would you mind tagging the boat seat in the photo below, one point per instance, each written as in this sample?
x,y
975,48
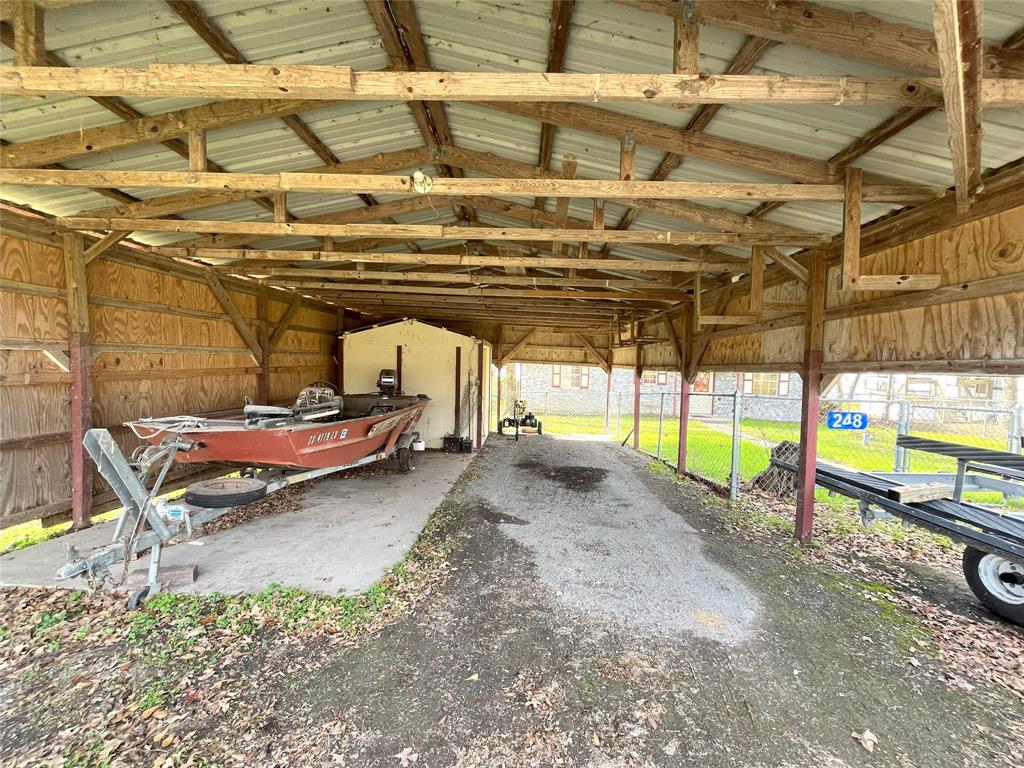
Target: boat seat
x,y
265,411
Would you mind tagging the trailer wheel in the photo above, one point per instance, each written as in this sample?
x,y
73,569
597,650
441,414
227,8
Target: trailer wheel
x,y
225,492
406,460
138,598
997,582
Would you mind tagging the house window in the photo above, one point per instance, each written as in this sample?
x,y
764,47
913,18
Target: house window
x,y
655,377
921,387
570,377
769,384
974,388
703,382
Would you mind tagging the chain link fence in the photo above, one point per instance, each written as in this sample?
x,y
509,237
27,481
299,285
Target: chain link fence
x,y
731,437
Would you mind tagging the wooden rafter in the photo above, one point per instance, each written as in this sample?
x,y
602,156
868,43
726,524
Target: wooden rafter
x,y
750,52
29,39
311,182
442,232
851,227
685,35
302,82
558,43
640,294
958,40
451,259
850,34
400,34
562,205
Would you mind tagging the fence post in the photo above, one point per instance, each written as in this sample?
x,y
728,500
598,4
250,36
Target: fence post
x,y
661,422
734,471
1015,431
902,426
684,417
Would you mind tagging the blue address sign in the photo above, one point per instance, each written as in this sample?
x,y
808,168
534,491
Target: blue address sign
x,y
847,420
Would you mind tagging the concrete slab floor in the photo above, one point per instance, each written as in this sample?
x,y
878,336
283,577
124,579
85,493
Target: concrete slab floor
x,y
342,535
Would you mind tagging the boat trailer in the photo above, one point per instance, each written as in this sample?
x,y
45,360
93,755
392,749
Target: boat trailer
x,y
148,522
993,561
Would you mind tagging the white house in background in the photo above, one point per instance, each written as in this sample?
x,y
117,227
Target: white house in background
x,y
930,387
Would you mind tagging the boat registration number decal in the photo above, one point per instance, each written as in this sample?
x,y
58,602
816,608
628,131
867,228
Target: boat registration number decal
x,y
326,437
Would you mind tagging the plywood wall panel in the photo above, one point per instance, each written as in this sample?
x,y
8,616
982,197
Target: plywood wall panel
x,y
27,262
32,317
38,410
120,325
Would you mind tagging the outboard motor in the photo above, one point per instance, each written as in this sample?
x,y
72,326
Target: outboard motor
x,y
387,382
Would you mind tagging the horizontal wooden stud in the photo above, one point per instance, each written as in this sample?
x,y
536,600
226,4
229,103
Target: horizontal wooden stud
x,y
726,319
896,282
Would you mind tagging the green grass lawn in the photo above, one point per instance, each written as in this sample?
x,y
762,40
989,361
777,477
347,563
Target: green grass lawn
x,y
709,448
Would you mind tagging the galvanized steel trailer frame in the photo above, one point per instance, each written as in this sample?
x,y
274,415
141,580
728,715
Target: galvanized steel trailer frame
x,y
143,525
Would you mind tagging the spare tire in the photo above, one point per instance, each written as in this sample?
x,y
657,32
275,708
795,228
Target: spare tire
x,y
225,492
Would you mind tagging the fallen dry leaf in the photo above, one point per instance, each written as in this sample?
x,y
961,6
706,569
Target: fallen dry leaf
x,y
867,739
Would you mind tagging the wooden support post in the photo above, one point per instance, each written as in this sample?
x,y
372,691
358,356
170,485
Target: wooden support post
x,y
809,414
638,372
851,227
29,38
197,150
684,421
479,395
340,354
757,280
598,220
398,367
81,383
457,431
497,362
696,303
280,207
686,30
263,336
627,157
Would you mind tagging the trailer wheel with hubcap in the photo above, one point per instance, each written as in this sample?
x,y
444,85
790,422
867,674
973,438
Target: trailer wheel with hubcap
x,y
225,492
997,582
137,598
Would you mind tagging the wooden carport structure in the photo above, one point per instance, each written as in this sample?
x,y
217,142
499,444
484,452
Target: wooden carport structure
x,y
300,169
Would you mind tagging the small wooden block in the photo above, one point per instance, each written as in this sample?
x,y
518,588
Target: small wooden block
x,y
907,494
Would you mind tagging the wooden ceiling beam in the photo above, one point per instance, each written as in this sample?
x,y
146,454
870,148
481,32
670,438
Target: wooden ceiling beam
x,y
441,232
851,34
312,182
533,293
958,39
444,277
303,82
29,34
381,162
452,259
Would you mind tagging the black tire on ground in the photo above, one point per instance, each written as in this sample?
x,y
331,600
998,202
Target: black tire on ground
x,y
137,598
980,567
225,492
406,460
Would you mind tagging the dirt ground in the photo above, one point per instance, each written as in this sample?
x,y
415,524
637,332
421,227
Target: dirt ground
x,y
588,612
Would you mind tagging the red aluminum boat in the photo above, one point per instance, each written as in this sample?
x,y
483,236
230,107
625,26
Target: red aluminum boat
x,y
321,429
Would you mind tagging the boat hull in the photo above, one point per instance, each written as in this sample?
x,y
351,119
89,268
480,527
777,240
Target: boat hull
x,y
296,446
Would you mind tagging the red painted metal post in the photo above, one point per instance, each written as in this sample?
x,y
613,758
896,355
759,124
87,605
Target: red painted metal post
x,y
608,397
479,395
638,373
684,417
811,374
